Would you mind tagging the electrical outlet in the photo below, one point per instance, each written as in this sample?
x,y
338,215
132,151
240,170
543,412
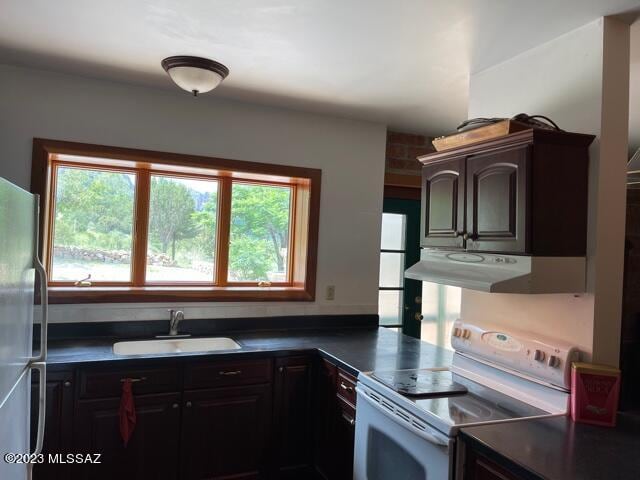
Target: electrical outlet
x,y
331,292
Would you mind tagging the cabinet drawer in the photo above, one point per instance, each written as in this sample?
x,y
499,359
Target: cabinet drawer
x,y
346,412
97,383
346,386
235,372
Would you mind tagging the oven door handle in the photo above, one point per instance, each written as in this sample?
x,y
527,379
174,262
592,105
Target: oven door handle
x,y
428,433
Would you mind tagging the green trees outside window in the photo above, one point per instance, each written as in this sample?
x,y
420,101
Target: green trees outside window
x,y
259,242
94,225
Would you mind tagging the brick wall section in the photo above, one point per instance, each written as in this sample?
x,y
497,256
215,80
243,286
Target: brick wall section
x,y
402,150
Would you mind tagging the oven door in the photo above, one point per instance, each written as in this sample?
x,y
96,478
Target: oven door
x,y
392,443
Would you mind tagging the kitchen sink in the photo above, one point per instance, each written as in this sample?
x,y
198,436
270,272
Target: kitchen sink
x,y
174,345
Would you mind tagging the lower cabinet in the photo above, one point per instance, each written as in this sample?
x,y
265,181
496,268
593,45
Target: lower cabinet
x,y
293,426
255,418
478,466
344,438
325,412
225,433
335,422
59,419
152,451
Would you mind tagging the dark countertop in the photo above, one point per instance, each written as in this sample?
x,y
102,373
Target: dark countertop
x,y
558,449
553,448
355,349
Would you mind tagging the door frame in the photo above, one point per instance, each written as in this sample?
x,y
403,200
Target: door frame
x,y
411,288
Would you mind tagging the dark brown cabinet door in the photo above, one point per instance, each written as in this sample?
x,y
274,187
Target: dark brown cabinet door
x,y
345,422
443,203
153,449
225,433
479,467
59,418
292,417
324,411
497,201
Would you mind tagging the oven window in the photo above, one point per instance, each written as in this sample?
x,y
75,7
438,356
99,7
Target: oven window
x,y
387,459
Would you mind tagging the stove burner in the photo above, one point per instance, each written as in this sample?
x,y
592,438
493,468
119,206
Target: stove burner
x,y
420,383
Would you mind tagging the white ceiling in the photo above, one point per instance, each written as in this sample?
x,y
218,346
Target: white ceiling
x,y
405,62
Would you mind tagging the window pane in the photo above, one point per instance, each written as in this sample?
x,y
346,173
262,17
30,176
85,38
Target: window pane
x,y
259,236
393,229
92,225
390,307
391,269
440,308
182,229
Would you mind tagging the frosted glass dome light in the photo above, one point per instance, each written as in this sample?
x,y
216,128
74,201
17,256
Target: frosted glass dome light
x,y
195,74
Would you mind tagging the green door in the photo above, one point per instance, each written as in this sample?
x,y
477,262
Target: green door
x,y
398,297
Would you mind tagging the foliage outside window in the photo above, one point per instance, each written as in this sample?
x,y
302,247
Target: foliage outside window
x,y
172,227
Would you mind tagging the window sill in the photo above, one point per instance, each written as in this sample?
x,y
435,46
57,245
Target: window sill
x,y
62,295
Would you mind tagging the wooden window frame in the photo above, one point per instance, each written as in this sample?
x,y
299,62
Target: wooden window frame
x,y
48,155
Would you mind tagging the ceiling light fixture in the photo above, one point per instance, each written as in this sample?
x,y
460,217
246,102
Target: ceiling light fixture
x,y
195,74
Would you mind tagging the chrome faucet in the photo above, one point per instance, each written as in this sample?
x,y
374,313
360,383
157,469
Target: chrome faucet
x,y
175,317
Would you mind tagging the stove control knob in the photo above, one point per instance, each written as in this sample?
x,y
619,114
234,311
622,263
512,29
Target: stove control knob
x,y
466,333
539,356
553,362
457,332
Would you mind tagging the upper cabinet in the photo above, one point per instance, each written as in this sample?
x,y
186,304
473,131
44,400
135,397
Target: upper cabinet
x,y
497,201
525,193
443,204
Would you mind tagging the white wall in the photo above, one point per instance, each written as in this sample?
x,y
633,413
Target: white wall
x,y
579,81
350,153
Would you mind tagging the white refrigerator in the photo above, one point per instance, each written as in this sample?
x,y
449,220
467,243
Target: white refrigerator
x,y
20,269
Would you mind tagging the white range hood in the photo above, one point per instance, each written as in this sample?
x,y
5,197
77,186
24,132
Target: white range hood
x,y
501,273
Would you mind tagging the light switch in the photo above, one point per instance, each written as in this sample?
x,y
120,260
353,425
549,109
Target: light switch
x,y
330,293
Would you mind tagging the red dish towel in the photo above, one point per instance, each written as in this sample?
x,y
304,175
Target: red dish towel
x,y
127,412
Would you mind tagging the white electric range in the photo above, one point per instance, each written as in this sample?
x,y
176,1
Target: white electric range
x,y
407,420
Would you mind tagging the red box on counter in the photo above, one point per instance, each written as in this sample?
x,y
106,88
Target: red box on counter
x,y
594,393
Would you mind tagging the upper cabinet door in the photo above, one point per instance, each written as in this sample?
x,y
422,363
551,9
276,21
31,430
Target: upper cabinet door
x,y
443,191
497,201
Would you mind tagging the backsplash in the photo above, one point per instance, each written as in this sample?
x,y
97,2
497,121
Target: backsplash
x,y
125,312
564,317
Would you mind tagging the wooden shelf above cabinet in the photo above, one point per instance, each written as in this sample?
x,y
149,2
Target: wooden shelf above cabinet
x,y
532,135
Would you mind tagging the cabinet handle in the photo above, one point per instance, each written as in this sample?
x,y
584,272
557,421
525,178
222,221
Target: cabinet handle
x,y
188,404
134,380
346,387
175,405
349,419
67,383
465,236
281,369
232,372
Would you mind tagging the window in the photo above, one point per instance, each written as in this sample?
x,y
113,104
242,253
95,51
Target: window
x,y
259,238
440,308
392,253
124,225
93,234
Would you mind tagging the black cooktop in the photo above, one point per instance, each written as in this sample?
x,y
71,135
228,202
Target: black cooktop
x,y
420,383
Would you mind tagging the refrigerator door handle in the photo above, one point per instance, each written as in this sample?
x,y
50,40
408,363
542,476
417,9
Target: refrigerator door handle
x,y
42,409
44,293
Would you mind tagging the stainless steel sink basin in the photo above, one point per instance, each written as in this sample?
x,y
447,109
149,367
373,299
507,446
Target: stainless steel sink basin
x,y
174,345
